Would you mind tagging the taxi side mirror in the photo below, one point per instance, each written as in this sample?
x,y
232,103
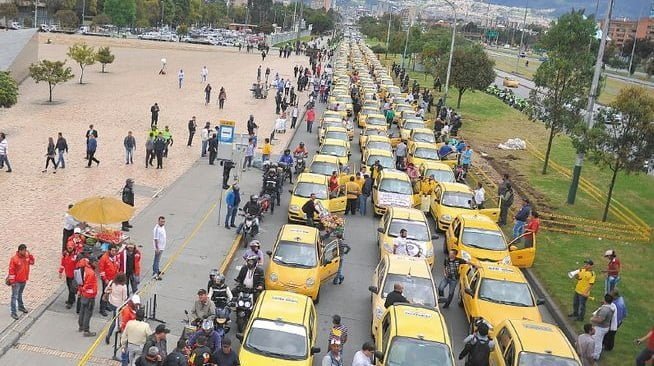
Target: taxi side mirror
x,y
315,350
468,291
239,336
379,356
269,252
380,230
373,289
540,301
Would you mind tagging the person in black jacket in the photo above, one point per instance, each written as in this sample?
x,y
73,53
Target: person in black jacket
x,y
159,148
250,276
366,191
128,198
178,357
395,296
62,147
50,156
309,208
213,149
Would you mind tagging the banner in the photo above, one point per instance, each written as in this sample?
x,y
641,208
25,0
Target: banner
x,y
394,199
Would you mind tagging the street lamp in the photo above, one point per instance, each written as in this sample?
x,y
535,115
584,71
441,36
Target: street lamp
x,y
388,32
449,63
406,42
522,36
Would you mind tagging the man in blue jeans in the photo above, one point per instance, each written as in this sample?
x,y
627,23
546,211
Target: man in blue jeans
x,y
159,241
343,248
521,219
450,276
233,199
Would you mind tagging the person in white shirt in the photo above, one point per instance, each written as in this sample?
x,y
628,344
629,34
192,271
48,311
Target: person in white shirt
x,y
294,114
204,135
400,244
69,226
363,357
480,196
204,73
180,77
159,242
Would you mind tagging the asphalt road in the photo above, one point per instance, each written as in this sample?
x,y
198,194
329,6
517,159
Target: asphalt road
x,y
351,300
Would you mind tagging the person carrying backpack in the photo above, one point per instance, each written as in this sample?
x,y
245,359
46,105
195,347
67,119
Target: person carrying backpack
x,y
477,347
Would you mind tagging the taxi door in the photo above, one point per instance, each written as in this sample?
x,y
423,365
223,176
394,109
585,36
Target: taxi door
x,y
339,203
493,213
469,282
523,257
434,206
330,259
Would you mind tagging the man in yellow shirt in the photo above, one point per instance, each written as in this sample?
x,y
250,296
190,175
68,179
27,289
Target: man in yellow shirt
x,y
266,150
359,180
353,192
427,185
585,281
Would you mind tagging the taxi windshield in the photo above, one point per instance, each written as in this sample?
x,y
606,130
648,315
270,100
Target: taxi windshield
x,y
395,186
417,290
505,292
277,339
328,124
374,132
304,189
483,239
381,145
533,359
376,121
425,153
415,352
336,106
416,230
423,137
386,161
412,125
457,199
338,135
294,254
323,168
335,150
442,176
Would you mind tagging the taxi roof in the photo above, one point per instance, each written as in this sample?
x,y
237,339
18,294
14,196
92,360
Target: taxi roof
x,y
378,138
500,272
531,335
312,178
283,305
404,265
334,113
393,173
436,165
334,142
376,115
336,128
424,145
455,187
298,233
422,130
475,220
406,213
325,158
422,322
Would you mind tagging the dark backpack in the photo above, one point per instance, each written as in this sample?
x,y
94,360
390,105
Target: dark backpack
x,y
478,352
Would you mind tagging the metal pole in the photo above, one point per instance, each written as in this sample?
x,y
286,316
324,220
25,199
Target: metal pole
x,y
36,2
406,42
299,22
522,36
631,59
449,63
162,13
388,33
579,162
83,10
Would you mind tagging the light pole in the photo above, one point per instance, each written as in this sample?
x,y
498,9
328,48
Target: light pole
x,y
388,32
579,162
449,63
83,10
36,2
406,42
522,36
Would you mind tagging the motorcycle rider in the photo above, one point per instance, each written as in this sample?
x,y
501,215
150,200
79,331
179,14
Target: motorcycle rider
x,y
219,293
252,208
254,251
300,152
287,159
250,276
212,336
203,308
271,186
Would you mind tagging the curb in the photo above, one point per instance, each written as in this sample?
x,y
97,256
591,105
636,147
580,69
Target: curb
x,y
558,315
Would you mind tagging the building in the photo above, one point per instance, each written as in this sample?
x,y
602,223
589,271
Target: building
x,y
20,48
622,30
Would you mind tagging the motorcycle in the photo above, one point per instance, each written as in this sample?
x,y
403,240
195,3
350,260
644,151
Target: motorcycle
x,y
249,228
244,305
190,327
300,163
286,172
265,203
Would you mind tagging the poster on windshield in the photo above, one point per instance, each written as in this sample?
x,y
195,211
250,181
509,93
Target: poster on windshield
x,y
394,199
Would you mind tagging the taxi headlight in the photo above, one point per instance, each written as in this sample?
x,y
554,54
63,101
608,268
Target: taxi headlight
x,y
241,303
379,311
310,282
506,260
446,217
465,255
294,208
273,277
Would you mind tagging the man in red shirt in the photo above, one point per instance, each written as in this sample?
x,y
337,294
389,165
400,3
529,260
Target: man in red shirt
x,y
19,273
108,267
333,184
88,291
612,271
311,116
533,225
67,267
647,353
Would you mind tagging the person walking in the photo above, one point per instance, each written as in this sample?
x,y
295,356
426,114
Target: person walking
x,y
149,150
400,155
154,112
251,125
159,241
213,148
521,219
363,356
178,357
128,198
4,160
204,135
249,154
88,292
338,331
130,145
180,77
585,280
222,95
192,126
310,117
204,74
108,267
159,145
619,314
366,191
506,201
91,148
648,352
233,200
130,264
67,268
50,156
585,345
333,357
343,249
226,355
480,196
62,147
478,347
116,295
309,209
466,158
207,94
353,191
19,273
450,279
134,336
294,114
90,132
612,272
168,137
601,320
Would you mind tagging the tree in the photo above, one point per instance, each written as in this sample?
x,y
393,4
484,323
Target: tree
x,y
101,19
122,12
8,11
67,18
84,55
52,72
104,56
471,70
8,90
625,143
564,80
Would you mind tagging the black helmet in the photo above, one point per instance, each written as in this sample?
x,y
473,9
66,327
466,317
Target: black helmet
x,y
301,143
287,151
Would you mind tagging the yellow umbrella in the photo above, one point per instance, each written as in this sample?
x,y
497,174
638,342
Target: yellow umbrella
x,y
101,210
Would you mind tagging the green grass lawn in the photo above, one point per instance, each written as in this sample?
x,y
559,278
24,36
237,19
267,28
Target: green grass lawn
x,y
486,123
292,42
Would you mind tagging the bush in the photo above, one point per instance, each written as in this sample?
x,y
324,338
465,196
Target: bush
x,y
8,90
378,49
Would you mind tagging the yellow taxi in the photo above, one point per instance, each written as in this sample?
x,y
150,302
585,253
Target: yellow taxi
x,y
406,125
376,142
373,119
337,133
448,200
510,82
343,109
282,331
441,171
399,108
492,292
337,148
477,237
366,110
385,157
419,235
392,188
414,274
323,165
413,335
451,159
393,90
422,135
421,152
331,121
305,185
372,131
520,342
299,262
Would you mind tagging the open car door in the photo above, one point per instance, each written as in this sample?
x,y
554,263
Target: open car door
x,y
338,204
330,259
523,250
